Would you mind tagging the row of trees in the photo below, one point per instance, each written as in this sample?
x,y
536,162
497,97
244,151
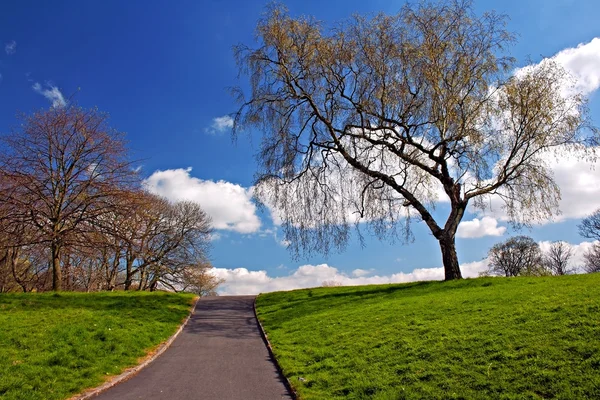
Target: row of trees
x,y
73,214
522,256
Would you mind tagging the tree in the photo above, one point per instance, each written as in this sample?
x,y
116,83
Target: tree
x,y
371,120
592,259
590,226
517,256
60,170
199,280
557,258
179,245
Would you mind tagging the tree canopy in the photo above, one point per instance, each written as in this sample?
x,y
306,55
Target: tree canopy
x,y
379,118
517,256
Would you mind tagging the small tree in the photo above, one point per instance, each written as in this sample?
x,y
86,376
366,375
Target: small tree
x,y
557,258
592,259
517,256
198,279
370,121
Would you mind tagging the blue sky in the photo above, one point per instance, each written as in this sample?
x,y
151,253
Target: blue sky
x,y
163,71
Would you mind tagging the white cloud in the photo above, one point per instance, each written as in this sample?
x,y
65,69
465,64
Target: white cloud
x,y
583,63
229,205
580,63
220,125
215,236
487,226
359,273
10,48
579,182
52,93
242,281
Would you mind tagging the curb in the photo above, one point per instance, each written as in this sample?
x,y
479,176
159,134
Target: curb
x,y
263,334
131,372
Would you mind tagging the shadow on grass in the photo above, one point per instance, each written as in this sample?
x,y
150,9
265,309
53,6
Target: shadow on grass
x,y
305,301
360,292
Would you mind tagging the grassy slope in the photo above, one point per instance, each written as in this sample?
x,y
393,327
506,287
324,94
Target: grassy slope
x,y
54,345
520,338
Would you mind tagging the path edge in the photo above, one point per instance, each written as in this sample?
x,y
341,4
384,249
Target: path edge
x,y
132,371
265,338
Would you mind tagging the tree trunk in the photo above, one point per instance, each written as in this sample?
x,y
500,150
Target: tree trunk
x,y
56,271
449,258
142,280
128,273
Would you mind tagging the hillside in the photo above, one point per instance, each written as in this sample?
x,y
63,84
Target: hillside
x,y
55,345
487,338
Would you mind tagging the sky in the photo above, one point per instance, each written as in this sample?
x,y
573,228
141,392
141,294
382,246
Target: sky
x,y
163,71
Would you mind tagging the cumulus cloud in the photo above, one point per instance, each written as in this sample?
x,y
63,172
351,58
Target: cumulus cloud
x,y
582,62
242,281
215,236
50,92
476,228
359,273
10,48
229,205
579,182
220,125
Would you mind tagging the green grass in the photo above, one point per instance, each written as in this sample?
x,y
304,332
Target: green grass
x,y
55,345
488,338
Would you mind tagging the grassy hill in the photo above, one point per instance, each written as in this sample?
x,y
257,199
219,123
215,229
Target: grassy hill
x,y
487,338
55,345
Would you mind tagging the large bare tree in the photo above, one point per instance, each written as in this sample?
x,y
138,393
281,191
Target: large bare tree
x,y
60,170
376,119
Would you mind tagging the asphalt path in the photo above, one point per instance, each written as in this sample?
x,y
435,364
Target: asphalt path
x,y
219,355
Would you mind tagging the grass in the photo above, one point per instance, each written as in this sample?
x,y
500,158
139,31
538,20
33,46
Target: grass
x,y
487,338
53,346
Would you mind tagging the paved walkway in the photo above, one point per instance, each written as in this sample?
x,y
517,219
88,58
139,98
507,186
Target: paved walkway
x,y
219,355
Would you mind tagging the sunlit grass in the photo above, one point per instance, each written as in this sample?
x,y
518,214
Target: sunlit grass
x,y
488,338
55,345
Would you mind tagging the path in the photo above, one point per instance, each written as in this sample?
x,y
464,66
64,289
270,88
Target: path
x,y
219,355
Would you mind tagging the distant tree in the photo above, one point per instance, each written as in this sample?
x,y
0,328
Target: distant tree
x,y
156,241
198,279
557,258
59,170
371,120
590,226
592,259
517,256
180,245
